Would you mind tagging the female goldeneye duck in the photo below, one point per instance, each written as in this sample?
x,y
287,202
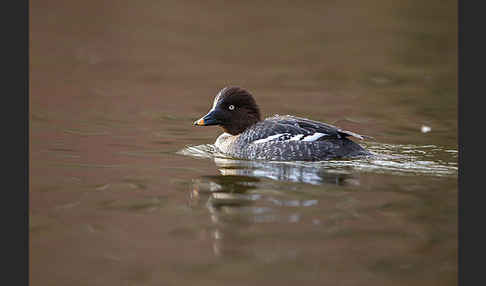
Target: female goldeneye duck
x,y
281,138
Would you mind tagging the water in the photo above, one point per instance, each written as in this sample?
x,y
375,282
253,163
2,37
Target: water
x,y
386,158
125,191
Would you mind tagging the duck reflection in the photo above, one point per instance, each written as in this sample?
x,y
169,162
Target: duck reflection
x,y
303,172
248,193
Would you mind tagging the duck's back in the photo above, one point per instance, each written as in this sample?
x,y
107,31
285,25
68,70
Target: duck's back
x,y
287,138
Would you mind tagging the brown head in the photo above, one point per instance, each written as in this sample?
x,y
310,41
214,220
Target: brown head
x,y
234,109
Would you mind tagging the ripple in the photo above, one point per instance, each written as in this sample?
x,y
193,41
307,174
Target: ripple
x,y
430,160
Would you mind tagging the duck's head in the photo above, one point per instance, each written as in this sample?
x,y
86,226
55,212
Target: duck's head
x,y
234,109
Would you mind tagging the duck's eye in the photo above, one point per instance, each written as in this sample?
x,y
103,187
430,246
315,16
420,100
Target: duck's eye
x,y
231,107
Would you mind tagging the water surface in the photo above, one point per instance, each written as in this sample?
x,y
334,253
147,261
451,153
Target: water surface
x,y
125,191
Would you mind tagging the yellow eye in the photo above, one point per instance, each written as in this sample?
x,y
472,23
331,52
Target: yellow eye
x,y
231,107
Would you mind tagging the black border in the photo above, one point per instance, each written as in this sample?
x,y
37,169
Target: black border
x,y
15,139
470,85
15,95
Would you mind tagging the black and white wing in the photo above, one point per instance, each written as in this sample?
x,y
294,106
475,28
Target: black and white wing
x,y
313,126
292,128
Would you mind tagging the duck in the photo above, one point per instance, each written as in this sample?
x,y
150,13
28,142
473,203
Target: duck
x,y
277,138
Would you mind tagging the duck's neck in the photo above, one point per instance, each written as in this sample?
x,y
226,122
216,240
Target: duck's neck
x,y
239,126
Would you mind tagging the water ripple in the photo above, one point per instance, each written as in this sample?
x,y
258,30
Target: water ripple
x,y
429,160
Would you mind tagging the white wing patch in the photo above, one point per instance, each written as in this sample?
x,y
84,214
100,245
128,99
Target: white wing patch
x,y
296,137
314,137
288,137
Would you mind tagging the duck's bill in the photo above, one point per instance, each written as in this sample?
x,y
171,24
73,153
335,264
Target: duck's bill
x,y
208,119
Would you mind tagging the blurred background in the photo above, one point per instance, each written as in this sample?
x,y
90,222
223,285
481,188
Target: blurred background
x,y
116,85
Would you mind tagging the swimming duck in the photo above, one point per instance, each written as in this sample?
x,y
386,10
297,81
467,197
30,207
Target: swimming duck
x,y
277,138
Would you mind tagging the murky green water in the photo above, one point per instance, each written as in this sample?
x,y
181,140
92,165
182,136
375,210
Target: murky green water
x,y
125,191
